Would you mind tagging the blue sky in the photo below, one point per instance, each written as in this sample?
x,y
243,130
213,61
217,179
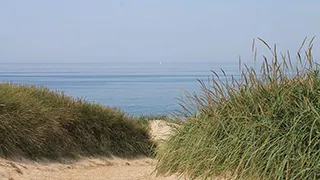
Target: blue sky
x,y
150,30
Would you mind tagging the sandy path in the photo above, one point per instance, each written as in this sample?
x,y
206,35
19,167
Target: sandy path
x,y
89,168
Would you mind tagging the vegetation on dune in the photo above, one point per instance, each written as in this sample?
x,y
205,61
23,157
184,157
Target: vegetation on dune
x,y
265,125
144,120
39,123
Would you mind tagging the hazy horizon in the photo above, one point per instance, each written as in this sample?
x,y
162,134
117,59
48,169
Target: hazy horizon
x,y
100,31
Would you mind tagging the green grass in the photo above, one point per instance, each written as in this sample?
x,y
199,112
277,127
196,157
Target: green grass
x,y
145,119
265,125
39,123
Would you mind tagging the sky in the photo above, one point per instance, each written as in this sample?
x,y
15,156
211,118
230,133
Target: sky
x,y
77,31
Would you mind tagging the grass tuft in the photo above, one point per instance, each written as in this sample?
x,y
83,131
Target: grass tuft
x,y
39,123
264,125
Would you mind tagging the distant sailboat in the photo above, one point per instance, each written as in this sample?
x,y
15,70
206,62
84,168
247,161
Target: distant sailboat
x,y
160,62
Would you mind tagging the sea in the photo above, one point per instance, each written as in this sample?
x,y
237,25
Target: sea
x,y
135,88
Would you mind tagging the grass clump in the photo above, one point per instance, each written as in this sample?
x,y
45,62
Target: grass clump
x,y
265,125
144,120
39,123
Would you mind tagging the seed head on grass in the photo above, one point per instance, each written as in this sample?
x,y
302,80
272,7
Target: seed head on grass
x,y
264,125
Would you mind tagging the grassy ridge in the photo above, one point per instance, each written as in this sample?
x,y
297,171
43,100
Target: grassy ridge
x,y
264,126
37,122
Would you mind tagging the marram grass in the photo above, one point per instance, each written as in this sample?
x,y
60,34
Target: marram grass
x,y
38,123
265,125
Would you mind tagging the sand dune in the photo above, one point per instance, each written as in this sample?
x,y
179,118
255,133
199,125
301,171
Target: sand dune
x,y
88,168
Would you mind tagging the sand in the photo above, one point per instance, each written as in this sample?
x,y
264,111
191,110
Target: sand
x,y
89,168
85,169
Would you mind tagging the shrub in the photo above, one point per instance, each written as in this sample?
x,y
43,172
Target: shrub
x,y
263,126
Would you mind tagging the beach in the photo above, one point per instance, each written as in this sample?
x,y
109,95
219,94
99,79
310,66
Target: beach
x,y
94,168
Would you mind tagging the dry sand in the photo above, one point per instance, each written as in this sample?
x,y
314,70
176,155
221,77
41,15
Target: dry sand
x,y
89,168
86,169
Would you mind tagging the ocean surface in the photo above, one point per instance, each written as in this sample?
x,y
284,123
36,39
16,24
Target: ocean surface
x,y
136,88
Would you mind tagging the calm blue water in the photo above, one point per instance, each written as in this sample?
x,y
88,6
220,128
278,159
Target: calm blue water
x,y
139,88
